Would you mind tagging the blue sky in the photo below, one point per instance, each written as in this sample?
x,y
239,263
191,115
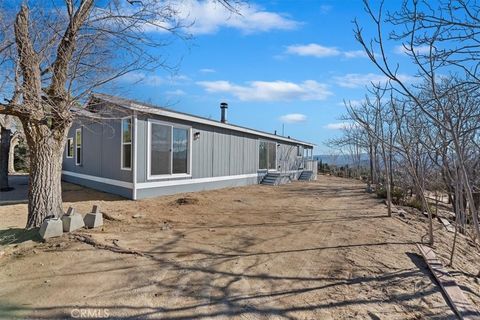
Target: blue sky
x,y
281,62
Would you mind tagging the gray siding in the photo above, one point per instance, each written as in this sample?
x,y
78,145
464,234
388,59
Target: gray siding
x,y
221,152
202,153
218,152
101,150
250,154
287,157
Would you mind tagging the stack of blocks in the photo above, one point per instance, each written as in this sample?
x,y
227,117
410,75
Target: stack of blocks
x,y
93,219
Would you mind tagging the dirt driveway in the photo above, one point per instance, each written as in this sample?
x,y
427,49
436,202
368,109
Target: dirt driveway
x,y
316,250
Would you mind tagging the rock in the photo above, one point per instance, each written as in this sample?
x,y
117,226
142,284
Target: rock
x,y
401,214
47,281
186,200
135,216
166,226
72,221
51,227
93,219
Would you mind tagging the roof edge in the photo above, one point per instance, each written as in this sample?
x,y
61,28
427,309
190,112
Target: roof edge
x,y
153,109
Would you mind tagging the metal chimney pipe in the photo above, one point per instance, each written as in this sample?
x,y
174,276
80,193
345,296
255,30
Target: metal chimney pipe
x,y
224,107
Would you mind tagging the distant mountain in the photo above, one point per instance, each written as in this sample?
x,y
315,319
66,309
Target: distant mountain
x,y
341,160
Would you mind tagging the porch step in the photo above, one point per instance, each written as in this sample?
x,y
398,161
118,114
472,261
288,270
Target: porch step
x,y
306,175
275,178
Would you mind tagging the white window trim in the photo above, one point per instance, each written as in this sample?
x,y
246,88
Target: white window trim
x,y
122,167
189,157
81,147
68,149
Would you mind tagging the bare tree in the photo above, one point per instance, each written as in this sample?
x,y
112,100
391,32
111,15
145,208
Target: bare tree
x,y
442,42
56,55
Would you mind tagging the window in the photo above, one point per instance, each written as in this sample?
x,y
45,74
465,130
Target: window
x,y
272,155
126,143
299,151
160,144
180,148
267,155
263,155
78,147
70,148
169,149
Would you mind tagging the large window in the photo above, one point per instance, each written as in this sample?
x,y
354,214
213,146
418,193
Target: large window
x,y
70,148
127,143
78,147
169,149
267,155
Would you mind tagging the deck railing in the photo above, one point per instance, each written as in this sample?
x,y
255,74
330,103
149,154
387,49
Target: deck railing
x,y
311,165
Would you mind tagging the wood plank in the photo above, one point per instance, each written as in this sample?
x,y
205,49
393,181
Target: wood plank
x,y
462,307
447,224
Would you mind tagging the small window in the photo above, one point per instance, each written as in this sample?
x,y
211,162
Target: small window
x,y
127,143
70,148
78,147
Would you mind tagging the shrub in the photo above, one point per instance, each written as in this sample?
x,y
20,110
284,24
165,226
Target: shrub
x,y
397,194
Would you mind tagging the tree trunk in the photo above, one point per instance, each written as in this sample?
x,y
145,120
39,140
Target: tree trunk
x,y
45,188
6,135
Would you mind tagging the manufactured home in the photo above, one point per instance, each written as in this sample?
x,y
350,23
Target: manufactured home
x,y
137,150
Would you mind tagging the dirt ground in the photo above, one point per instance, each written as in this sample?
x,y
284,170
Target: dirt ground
x,y
306,250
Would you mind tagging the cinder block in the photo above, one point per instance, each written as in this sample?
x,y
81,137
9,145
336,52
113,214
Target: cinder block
x,y
93,219
72,221
51,227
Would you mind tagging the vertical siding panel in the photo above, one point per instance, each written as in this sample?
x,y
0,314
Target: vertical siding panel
x,y
236,154
221,149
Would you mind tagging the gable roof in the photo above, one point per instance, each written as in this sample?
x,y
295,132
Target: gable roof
x,y
152,109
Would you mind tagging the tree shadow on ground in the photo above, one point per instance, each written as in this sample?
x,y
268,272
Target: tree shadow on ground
x,y
19,235
76,193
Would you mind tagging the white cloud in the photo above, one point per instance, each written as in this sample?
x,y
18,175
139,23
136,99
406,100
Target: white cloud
x,y
206,17
314,50
325,8
357,80
176,92
293,118
319,51
207,70
146,79
270,91
354,103
355,54
153,80
420,50
337,126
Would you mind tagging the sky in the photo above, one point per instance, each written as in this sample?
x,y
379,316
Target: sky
x,y
280,65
